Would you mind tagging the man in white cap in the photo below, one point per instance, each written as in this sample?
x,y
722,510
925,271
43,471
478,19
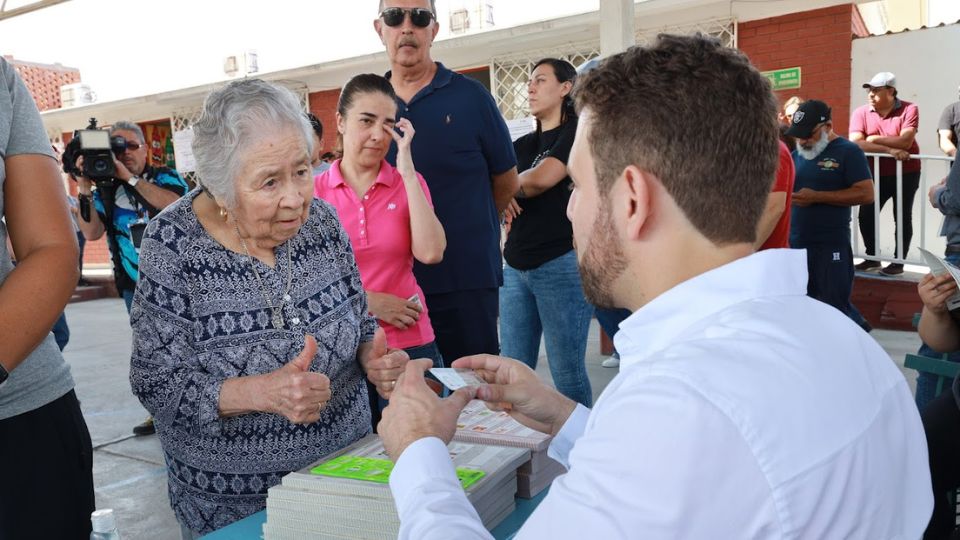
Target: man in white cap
x,y
888,125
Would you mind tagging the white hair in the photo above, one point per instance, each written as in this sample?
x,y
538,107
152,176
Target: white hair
x,y
232,117
123,125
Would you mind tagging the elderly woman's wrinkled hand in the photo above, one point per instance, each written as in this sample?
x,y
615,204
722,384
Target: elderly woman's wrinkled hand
x,y
294,391
935,290
383,365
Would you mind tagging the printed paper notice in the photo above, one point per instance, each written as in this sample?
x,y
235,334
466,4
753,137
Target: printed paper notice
x,y
183,151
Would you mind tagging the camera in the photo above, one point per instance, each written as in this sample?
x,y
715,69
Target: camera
x,y
97,149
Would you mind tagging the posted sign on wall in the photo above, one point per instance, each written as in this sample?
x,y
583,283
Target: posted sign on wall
x,y
784,79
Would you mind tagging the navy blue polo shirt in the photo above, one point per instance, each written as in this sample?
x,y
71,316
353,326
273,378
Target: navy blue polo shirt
x,y
840,165
461,141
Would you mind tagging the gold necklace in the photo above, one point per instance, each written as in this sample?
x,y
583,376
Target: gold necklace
x,y
276,312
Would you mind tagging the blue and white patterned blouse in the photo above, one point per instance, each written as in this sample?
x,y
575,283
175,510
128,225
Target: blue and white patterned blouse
x,y
199,318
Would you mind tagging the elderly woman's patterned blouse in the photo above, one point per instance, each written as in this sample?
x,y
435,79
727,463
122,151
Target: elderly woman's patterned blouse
x,y
200,317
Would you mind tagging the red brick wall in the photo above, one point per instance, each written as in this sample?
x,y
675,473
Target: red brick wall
x,y
324,106
820,42
44,81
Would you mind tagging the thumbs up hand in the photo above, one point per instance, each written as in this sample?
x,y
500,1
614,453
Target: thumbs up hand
x,y
294,391
382,364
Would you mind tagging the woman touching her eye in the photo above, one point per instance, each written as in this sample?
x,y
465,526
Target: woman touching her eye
x,y
386,211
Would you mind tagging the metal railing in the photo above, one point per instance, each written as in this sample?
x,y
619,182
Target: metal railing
x,y
933,169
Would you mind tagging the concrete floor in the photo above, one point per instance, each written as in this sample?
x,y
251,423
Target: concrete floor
x,y
129,472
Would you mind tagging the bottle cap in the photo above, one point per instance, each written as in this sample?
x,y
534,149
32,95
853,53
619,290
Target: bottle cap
x,y
103,520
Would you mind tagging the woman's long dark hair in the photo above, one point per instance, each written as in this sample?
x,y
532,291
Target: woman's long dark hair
x,y
563,71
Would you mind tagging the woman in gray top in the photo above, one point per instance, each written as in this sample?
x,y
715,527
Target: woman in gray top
x,y
44,443
251,331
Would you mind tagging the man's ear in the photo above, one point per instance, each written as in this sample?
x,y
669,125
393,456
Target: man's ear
x,y
378,27
636,198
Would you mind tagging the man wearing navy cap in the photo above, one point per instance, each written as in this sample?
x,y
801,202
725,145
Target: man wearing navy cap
x,y
832,175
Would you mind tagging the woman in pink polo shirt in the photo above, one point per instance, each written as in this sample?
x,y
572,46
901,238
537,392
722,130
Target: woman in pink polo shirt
x,y
386,211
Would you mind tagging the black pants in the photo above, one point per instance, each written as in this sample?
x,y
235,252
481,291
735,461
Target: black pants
x,y
888,190
830,271
46,486
465,322
941,422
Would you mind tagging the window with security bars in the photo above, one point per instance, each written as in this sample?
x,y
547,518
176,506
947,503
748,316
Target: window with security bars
x,y
183,119
511,72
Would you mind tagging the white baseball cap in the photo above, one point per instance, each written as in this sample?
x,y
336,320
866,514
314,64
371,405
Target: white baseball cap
x,y
884,78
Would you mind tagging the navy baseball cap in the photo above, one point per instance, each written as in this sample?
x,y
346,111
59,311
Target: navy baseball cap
x,y
809,115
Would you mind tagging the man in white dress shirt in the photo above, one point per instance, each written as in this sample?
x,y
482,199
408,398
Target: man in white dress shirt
x,y
743,408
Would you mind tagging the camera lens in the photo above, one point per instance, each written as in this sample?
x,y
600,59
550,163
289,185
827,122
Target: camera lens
x,y
100,166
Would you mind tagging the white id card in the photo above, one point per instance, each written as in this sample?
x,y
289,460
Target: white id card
x,y
454,378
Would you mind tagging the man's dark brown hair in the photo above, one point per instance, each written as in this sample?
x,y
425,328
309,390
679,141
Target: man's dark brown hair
x,y
696,115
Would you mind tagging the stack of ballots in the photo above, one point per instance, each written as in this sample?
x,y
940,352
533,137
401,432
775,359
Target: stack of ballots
x,y
478,424
346,494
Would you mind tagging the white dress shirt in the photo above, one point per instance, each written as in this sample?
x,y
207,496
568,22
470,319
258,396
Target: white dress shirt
x,y
743,409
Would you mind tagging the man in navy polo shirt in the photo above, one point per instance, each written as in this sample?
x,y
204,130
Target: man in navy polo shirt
x,y
832,175
464,152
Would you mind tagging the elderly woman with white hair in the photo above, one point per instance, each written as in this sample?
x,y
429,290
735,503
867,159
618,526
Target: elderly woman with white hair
x,y
251,329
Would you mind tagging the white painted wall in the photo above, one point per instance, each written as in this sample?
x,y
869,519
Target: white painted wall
x,y
927,67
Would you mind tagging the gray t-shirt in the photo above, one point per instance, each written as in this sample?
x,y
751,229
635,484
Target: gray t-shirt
x,y
43,376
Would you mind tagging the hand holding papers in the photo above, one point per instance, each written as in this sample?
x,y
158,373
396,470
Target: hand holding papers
x,y
514,387
940,292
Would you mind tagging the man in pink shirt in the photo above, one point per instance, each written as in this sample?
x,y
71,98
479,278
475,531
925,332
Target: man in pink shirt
x,y
888,125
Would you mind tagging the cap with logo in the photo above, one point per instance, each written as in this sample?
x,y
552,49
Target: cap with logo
x,y
884,78
809,115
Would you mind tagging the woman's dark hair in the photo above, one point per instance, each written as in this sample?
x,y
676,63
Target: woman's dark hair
x,y
564,72
366,83
315,124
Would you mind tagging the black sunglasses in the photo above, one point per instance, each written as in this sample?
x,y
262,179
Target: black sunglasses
x,y
420,17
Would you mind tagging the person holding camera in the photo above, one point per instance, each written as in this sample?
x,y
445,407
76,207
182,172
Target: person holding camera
x,y
124,204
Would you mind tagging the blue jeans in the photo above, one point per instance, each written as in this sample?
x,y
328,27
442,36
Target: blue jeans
x,y
610,320
927,382
61,332
548,301
127,295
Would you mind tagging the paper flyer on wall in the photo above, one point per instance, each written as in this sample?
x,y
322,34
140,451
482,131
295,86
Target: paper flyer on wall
x,y
938,267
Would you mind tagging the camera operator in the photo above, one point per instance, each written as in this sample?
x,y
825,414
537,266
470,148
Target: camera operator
x,y
123,206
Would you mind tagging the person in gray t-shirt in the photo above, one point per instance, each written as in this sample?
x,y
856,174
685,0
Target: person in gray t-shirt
x,y
44,443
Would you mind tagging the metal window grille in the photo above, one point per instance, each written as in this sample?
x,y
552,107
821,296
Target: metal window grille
x,y
511,72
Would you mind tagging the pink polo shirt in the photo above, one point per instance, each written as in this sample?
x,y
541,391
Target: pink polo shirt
x,y
378,225
904,115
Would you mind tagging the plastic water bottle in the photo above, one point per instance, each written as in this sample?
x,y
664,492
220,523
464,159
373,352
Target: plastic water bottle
x,y
104,525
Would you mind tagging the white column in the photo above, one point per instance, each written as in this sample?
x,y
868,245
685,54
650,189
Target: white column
x,y
616,26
